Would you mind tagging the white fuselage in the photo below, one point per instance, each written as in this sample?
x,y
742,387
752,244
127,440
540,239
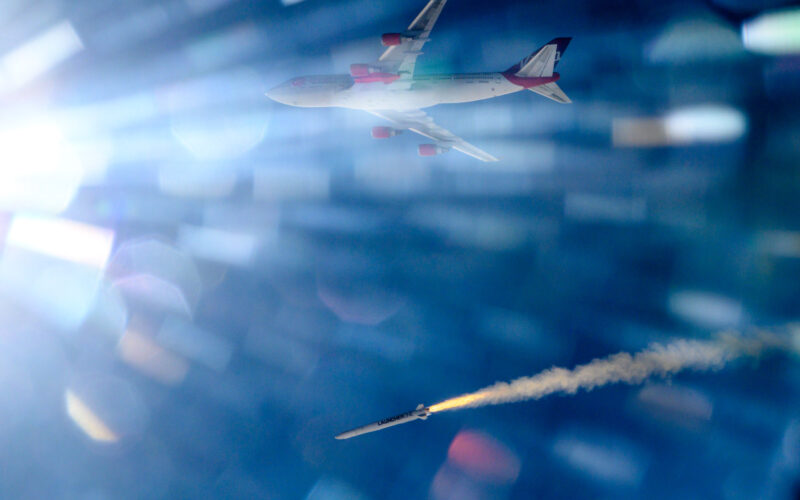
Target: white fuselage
x,y
421,92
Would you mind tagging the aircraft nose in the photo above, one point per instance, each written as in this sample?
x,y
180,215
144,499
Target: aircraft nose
x,y
277,94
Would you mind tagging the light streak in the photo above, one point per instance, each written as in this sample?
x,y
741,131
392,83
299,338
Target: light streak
x,y
88,421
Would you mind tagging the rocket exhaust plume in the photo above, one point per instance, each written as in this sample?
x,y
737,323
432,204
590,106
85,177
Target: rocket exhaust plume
x,y
655,361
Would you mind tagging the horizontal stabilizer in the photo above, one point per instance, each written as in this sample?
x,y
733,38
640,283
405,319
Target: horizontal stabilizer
x,y
551,91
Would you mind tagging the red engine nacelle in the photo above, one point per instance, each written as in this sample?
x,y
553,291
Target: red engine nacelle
x,y
384,132
430,149
391,39
357,70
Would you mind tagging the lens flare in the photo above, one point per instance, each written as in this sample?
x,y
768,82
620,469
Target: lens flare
x,y
88,421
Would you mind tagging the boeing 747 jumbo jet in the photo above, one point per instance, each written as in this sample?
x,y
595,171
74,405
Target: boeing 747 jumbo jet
x,y
390,89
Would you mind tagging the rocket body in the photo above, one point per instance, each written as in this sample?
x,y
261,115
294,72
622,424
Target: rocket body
x,y
420,413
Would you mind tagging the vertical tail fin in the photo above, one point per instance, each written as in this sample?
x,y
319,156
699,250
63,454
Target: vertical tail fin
x,y
542,63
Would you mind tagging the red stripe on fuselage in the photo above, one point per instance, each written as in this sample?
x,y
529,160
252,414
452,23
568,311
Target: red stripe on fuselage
x,y
530,81
376,77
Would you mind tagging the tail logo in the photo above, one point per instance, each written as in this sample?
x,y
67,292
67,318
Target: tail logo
x,y
527,60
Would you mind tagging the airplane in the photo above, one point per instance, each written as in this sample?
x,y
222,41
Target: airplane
x,y
390,89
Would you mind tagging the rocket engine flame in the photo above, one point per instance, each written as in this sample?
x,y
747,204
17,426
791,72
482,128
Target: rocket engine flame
x,y
655,361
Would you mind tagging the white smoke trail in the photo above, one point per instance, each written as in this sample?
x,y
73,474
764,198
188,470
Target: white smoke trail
x,y
656,361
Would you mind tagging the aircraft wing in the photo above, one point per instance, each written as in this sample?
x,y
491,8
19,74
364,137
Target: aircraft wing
x,y
402,58
419,122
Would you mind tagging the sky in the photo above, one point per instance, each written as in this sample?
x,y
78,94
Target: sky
x,y
200,287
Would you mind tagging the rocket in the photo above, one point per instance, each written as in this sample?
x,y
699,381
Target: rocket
x,y
421,412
